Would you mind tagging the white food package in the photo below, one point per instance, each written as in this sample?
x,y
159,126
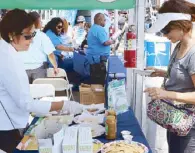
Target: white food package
x,y
85,143
69,144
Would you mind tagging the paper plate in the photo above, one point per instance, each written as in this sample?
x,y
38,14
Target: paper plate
x,y
96,109
119,141
88,118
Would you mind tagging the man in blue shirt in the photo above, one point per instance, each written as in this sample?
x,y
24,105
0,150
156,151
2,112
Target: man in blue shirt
x,y
98,40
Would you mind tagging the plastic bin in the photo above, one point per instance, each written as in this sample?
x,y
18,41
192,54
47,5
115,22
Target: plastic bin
x,y
157,52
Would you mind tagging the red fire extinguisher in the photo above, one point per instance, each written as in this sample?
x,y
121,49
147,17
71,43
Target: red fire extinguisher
x,y
130,49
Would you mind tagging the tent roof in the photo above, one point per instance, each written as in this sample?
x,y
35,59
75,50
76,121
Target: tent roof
x,y
66,4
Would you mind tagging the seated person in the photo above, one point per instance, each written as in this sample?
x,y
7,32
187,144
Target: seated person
x,y
54,29
65,36
84,43
79,32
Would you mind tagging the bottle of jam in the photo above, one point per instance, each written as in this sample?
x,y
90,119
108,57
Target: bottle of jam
x,y
111,112
110,127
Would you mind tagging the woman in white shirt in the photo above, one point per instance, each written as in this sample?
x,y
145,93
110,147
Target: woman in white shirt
x,y
41,49
17,31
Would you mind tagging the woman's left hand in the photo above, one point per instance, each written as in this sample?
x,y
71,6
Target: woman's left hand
x,y
157,93
56,71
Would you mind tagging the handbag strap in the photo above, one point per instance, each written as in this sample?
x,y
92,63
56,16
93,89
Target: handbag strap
x,y
171,64
7,115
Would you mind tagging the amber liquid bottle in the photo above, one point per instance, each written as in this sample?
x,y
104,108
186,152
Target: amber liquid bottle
x,y
110,127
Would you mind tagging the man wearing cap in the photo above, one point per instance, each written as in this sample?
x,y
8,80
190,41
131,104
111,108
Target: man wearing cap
x,y
41,48
79,32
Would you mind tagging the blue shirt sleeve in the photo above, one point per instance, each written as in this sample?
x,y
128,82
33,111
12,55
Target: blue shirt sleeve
x,y
54,38
102,35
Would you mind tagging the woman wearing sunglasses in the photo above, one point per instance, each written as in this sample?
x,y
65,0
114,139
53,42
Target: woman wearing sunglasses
x,y
175,21
17,31
54,29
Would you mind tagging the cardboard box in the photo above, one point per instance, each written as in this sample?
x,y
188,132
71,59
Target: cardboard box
x,y
69,144
85,143
92,94
98,94
86,94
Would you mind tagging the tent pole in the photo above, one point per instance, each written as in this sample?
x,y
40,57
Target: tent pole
x,y
116,16
131,21
116,19
140,19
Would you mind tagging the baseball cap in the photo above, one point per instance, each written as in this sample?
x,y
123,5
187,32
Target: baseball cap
x,y
80,19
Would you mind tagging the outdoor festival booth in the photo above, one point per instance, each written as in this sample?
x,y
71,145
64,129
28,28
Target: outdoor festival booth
x,y
62,138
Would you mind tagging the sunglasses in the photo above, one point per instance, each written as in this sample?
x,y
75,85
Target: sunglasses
x,y
165,31
28,37
59,27
80,22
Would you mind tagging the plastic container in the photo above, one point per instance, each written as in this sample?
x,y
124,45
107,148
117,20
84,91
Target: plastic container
x,y
157,51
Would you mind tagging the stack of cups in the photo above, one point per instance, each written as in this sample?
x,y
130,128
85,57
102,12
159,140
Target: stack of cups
x,y
127,136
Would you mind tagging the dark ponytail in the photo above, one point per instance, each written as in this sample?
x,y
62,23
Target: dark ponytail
x,y
192,7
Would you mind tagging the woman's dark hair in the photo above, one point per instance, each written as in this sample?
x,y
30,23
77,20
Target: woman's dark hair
x,y
87,25
14,22
179,6
35,16
51,25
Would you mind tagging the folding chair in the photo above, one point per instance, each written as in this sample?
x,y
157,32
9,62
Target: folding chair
x,y
61,74
42,90
59,84
39,91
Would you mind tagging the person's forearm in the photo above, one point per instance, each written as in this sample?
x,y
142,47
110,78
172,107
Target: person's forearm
x,y
159,73
162,73
64,48
188,97
108,43
52,59
56,106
